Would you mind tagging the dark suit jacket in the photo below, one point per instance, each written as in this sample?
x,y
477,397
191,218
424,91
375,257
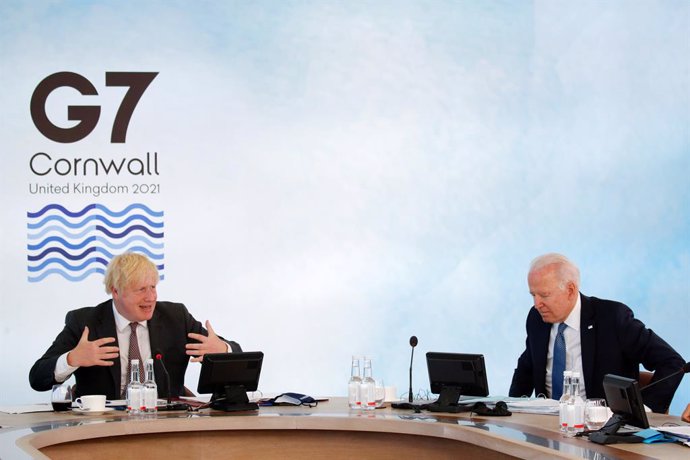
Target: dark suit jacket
x,y
168,329
613,342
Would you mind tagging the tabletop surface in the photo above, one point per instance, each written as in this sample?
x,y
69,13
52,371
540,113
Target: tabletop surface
x,y
532,430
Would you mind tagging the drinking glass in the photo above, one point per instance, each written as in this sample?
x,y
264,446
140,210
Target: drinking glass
x,y
61,397
596,413
380,392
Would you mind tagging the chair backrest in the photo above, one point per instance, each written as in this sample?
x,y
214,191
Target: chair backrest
x,y
645,379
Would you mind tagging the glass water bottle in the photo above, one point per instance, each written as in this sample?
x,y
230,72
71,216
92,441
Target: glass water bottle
x,y
354,385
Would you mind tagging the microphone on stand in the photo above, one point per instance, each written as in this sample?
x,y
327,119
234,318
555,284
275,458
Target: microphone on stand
x,y
169,405
413,343
684,369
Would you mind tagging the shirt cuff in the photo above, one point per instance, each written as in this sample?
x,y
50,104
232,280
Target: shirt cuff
x,y
63,371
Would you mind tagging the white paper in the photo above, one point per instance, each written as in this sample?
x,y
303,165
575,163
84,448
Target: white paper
x,y
679,431
533,406
26,408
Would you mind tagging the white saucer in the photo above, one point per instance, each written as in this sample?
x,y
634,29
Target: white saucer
x,y
77,410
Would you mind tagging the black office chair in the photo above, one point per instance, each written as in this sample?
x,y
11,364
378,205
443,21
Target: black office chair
x,y
645,379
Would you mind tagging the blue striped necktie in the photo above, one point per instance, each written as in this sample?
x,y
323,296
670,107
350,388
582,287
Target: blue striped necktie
x,y
558,364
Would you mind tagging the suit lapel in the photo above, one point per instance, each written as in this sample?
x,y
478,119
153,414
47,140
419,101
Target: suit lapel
x,y
541,342
154,326
106,328
588,328
155,333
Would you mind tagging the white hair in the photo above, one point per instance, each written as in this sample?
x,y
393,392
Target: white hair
x,y
566,270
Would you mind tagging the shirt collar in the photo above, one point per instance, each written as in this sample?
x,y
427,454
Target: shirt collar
x,y
121,323
573,319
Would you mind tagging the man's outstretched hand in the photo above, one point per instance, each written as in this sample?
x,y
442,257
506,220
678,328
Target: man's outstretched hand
x,y
93,353
210,344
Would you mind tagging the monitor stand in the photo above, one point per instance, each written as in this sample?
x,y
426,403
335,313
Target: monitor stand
x,y
448,402
232,399
614,433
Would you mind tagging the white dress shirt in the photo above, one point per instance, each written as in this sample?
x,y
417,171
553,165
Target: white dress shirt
x,y
123,333
573,348
63,371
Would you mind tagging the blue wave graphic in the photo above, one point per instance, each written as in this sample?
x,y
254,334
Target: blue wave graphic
x,y
62,231
81,224
66,255
63,253
128,242
62,209
67,276
61,241
73,268
78,249
128,231
128,209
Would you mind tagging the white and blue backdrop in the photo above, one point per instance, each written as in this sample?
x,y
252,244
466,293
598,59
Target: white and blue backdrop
x,y
325,178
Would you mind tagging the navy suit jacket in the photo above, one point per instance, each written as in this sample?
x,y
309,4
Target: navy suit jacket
x,y
168,329
613,342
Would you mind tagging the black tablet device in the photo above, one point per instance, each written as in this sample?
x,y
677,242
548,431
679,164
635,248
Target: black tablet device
x,y
625,401
452,375
228,377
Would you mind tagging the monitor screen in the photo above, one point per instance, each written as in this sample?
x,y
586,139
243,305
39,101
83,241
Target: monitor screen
x,y
230,375
624,400
464,373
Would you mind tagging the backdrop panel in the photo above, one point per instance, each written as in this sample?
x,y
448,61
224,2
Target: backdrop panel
x,y
321,179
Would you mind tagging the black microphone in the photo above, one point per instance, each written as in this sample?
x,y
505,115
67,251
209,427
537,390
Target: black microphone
x,y
413,343
169,405
159,358
684,369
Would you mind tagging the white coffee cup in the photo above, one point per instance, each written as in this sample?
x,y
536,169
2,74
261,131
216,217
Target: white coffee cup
x,y
91,403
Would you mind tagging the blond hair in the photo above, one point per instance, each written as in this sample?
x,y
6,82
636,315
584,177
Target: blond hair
x,y
127,268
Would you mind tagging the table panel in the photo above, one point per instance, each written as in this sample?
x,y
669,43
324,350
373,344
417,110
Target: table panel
x,y
329,430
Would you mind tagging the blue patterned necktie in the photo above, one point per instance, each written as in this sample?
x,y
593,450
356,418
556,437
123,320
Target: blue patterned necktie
x,y
558,364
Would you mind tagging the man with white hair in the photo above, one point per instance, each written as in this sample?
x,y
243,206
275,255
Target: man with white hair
x,y
567,330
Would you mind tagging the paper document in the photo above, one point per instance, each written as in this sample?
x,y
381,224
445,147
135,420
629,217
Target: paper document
x,y
26,408
533,406
677,431
524,405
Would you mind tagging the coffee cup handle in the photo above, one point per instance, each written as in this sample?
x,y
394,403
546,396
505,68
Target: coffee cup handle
x,y
79,403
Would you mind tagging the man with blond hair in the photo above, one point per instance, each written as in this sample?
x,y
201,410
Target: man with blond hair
x,y
567,330
96,342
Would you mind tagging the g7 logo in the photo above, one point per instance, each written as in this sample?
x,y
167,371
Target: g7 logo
x,y
88,115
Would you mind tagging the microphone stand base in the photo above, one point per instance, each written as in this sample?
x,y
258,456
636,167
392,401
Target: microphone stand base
x,y
174,406
233,407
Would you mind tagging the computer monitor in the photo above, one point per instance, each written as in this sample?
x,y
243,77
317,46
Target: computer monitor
x,y
452,375
625,401
228,377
